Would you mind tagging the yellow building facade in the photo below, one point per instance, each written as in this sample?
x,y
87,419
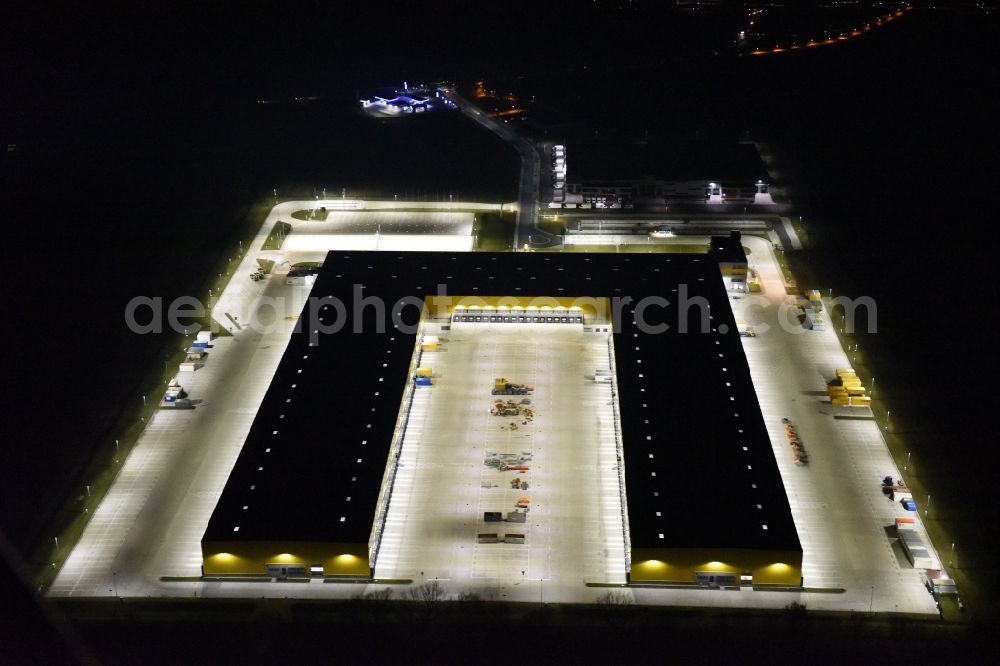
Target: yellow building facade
x,y
262,557
683,565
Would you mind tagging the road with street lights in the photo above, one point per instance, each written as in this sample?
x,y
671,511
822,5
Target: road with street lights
x,y
527,233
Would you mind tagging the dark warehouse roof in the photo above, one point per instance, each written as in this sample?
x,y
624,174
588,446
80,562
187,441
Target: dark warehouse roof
x,y
699,467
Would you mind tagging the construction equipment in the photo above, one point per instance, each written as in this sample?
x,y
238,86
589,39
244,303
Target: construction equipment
x,y
501,386
798,448
508,408
847,390
515,483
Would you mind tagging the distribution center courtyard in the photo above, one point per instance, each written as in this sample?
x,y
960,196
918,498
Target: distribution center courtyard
x,y
573,529
144,537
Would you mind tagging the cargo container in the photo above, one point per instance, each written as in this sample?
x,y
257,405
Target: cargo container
x,y
855,390
204,336
425,372
913,546
841,401
199,344
513,538
423,381
488,537
861,401
492,516
814,295
516,517
908,504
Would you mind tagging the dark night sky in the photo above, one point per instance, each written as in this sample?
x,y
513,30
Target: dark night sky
x,y
135,124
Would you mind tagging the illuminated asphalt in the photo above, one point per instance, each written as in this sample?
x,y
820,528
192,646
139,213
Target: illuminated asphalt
x,y
573,529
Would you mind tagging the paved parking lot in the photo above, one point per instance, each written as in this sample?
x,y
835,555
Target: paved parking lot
x,y
449,473
836,500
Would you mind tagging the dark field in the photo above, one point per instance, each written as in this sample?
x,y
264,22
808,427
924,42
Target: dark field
x,y
139,159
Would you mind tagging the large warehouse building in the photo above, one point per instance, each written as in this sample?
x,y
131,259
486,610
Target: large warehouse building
x,y
703,498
